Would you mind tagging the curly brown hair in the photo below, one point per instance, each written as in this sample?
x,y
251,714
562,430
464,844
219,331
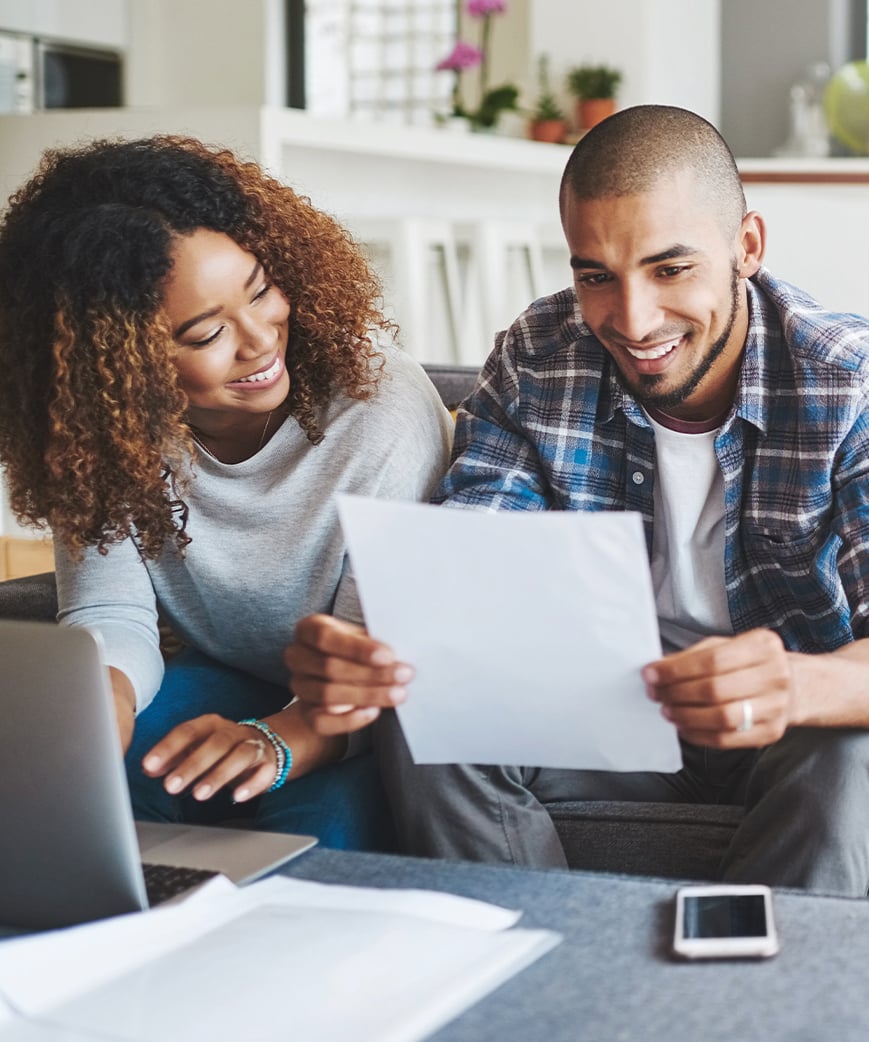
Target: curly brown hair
x,y
93,436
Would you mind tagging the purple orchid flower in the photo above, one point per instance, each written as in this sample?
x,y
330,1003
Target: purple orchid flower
x,y
480,8
462,56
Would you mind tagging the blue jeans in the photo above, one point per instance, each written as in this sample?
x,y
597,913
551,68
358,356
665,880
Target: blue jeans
x,y
342,804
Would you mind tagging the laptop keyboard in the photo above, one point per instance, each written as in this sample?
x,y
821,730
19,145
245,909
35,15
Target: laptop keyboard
x,y
165,881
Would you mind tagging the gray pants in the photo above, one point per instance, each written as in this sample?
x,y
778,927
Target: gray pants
x,y
806,799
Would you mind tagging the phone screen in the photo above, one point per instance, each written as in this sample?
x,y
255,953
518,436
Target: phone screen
x,y
725,915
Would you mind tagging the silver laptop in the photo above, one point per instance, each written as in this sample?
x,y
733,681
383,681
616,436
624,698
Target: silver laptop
x,y
71,849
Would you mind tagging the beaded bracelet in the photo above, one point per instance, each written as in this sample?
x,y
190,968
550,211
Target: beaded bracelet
x,y
283,753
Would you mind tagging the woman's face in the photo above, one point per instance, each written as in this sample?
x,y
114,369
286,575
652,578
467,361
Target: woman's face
x,y
231,326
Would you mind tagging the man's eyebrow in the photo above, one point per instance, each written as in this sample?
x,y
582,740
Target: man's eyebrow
x,y
191,322
583,262
671,253
677,250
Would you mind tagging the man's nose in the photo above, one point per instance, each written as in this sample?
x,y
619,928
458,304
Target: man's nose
x,y
638,312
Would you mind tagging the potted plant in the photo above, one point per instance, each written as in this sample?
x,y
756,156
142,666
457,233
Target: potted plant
x,y
548,122
493,101
594,87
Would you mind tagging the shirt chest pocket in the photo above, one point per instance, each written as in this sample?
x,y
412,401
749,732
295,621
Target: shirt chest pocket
x,y
795,571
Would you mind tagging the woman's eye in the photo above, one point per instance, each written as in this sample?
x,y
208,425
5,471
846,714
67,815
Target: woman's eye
x,y
263,291
207,340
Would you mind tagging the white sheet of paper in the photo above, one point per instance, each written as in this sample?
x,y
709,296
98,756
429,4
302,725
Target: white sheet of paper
x,y
366,975
527,632
403,962
40,971
36,1031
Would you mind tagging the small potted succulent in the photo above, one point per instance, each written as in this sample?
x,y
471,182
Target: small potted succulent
x,y
594,87
548,122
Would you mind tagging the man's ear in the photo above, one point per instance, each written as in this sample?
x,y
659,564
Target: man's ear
x,y
751,244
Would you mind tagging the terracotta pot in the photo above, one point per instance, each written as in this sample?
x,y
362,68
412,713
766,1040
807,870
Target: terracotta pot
x,y
552,130
590,111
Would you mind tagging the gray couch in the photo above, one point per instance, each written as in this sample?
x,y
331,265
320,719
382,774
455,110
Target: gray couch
x,y
671,840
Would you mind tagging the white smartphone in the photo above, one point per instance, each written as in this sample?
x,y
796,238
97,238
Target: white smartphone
x,y
725,921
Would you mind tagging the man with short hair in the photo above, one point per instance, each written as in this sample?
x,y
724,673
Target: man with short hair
x,y
679,379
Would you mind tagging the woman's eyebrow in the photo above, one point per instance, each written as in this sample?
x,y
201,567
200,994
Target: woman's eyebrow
x,y
257,268
182,329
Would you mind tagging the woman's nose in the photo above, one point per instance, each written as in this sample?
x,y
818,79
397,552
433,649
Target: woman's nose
x,y
255,337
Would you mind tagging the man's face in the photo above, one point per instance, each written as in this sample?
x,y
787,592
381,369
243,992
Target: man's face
x,y
660,284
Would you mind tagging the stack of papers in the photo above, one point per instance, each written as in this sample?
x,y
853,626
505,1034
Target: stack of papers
x,y
336,963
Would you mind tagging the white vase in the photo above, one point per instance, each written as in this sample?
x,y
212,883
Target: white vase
x,y
511,124
456,124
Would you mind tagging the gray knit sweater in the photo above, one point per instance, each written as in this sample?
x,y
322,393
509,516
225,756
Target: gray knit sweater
x,y
267,548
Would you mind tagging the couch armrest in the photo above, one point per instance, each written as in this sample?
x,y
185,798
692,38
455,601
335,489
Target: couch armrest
x,y
31,597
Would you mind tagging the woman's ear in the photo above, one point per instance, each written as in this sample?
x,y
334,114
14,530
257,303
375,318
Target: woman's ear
x,y
751,244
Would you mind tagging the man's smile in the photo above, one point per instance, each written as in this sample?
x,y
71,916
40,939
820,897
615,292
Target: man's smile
x,y
651,360
647,354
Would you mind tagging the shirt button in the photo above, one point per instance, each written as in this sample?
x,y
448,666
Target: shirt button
x,y
638,477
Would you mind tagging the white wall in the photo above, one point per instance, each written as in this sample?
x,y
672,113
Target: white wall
x,y
766,46
205,52
96,22
668,50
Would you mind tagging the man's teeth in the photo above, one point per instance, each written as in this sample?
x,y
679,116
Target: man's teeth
x,y
266,374
652,353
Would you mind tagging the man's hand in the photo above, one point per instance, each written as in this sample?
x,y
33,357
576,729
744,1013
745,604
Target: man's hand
x,y
341,676
727,692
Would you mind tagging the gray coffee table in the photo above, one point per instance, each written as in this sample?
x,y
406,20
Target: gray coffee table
x,y
613,979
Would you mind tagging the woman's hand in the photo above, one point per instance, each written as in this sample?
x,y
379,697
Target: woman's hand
x,y
210,753
341,676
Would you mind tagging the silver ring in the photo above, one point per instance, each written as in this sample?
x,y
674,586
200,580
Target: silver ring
x,y
260,747
747,716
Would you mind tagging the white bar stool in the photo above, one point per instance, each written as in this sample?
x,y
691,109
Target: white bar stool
x,y
505,274
421,281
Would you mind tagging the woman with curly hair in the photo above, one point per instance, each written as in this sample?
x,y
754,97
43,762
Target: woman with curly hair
x,y
196,363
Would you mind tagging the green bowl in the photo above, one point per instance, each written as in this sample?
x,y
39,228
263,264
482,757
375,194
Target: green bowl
x,y
846,104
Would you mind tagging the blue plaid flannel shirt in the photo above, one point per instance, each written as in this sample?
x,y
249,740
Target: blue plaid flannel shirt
x,y
549,427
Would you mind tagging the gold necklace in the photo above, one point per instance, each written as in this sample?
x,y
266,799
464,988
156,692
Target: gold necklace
x,y
214,455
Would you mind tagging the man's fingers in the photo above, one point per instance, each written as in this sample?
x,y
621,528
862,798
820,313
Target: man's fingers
x,y
716,656
313,691
769,677
722,670
327,722
341,676
342,639
307,662
725,724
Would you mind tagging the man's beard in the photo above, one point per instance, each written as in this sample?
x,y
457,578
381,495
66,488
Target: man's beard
x,y
645,392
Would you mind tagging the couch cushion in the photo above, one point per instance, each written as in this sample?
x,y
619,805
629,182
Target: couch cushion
x,y
31,597
670,840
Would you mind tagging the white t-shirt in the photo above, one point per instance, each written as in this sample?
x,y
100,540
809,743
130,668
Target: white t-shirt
x,y
688,544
